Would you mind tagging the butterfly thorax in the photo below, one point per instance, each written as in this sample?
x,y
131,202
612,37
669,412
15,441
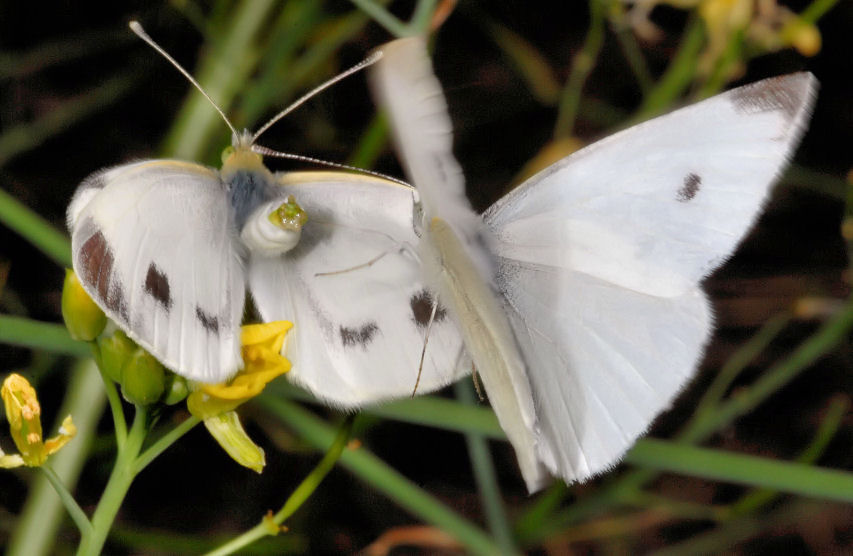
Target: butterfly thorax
x,y
269,224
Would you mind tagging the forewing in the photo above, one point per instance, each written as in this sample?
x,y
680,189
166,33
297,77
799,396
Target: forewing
x,y
658,206
354,291
153,244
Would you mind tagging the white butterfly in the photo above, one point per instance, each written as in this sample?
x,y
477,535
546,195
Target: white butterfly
x,y
167,248
578,294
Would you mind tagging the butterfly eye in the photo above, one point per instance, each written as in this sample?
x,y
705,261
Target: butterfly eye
x,y
226,153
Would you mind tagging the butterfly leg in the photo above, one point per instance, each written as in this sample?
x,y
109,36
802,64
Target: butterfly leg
x,y
426,341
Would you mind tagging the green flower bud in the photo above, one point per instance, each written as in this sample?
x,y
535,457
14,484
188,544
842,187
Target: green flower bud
x,y
176,389
83,318
143,378
114,352
229,433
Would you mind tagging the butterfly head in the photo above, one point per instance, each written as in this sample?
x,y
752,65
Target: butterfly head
x,y
240,156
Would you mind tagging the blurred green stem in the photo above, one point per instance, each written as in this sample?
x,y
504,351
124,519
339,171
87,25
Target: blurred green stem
x,y
678,75
484,474
71,506
35,229
582,65
24,332
272,525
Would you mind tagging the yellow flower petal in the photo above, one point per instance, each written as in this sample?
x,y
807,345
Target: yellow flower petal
x,y
262,359
66,433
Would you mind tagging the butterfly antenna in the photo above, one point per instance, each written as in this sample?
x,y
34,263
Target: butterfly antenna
x,y
370,60
426,341
140,32
260,149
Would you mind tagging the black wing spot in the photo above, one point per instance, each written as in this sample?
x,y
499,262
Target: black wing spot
x,y
209,322
157,285
692,183
361,336
421,304
96,262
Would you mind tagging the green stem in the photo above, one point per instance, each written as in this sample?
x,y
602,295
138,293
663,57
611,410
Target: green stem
x,y
795,478
383,17
120,480
35,229
164,442
582,65
678,75
117,410
270,526
49,336
487,483
736,363
74,509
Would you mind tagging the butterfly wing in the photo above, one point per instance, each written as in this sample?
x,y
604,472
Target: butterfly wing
x,y
453,245
354,290
601,255
153,243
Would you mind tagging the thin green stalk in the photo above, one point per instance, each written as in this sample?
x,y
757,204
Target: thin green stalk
x,y
71,506
164,442
302,492
830,424
371,144
47,336
383,17
678,75
729,58
119,483
736,363
816,10
421,16
36,529
35,229
582,65
821,342
630,48
794,478
530,65
383,477
117,410
487,483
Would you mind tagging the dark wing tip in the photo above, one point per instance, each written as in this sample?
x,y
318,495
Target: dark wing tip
x,y
792,94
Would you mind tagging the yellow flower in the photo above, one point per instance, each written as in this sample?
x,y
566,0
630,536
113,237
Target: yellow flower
x,y
215,403
24,415
262,360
